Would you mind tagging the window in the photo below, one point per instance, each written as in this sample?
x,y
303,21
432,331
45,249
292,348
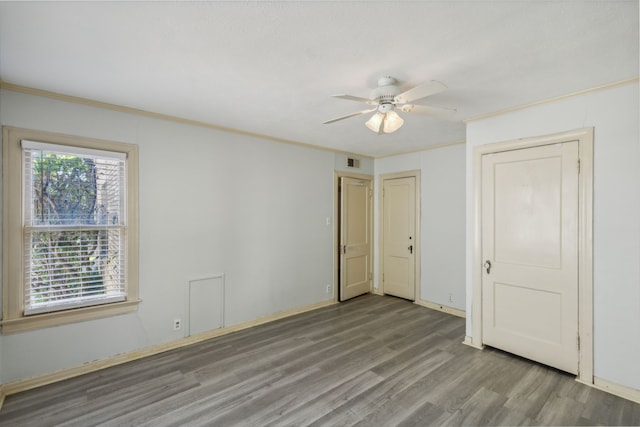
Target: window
x,y
74,228
69,219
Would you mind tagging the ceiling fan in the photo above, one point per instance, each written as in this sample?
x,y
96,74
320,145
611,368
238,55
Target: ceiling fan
x,y
388,97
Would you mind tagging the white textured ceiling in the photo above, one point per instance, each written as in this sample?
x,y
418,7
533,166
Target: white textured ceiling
x,y
270,67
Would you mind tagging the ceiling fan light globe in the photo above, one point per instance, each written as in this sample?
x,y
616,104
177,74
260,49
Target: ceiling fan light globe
x,y
375,122
392,122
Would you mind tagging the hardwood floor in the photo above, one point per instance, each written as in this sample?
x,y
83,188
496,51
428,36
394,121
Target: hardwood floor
x,y
371,361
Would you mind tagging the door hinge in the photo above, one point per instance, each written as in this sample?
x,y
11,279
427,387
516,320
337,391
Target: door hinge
x,y
578,165
382,277
578,341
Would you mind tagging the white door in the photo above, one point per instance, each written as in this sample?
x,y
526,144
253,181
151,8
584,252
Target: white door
x,y
399,240
530,253
355,237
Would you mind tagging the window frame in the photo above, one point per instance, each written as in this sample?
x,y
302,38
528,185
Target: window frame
x,y
13,318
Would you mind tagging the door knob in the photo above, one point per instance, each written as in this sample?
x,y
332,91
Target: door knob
x,y
487,265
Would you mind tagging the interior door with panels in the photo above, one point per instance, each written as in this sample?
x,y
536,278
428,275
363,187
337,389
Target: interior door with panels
x,y
355,237
399,237
530,253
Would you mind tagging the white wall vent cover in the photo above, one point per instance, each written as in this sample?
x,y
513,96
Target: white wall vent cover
x,y
205,304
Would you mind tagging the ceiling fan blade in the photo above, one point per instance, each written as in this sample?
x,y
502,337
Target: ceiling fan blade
x,y
420,91
349,116
355,98
428,110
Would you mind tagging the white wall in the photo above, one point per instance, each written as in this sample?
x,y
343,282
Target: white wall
x,y
210,202
614,115
442,219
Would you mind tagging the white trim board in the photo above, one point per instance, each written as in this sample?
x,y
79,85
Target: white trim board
x,y
616,389
469,341
554,99
442,308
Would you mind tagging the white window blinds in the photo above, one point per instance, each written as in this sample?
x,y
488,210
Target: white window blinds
x,y
74,227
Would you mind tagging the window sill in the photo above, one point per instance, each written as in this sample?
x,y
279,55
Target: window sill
x,y
39,321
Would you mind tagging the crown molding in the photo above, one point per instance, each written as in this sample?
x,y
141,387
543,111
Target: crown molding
x,y
419,150
554,99
166,117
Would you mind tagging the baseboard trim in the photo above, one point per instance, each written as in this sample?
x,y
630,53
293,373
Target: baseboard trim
x,y
63,374
469,341
616,389
440,307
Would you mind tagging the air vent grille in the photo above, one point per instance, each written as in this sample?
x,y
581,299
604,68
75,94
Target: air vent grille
x,y
353,163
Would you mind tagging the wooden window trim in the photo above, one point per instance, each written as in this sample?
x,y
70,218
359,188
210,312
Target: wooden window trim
x,y
13,319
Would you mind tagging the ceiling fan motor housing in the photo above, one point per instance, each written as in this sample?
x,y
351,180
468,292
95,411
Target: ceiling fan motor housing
x,y
386,91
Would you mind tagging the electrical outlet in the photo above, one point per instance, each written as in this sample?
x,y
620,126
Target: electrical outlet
x,y
450,298
328,290
177,324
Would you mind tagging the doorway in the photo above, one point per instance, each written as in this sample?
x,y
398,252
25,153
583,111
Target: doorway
x,y
399,234
532,274
354,235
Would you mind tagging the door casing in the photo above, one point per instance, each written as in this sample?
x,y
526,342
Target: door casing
x,y
417,247
585,239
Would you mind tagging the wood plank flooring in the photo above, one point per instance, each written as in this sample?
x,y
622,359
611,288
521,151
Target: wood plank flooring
x,y
371,361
